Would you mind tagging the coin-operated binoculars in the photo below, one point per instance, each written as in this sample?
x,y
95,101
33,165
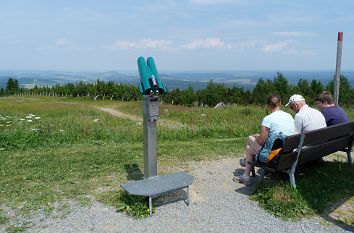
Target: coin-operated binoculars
x,y
150,83
150,86
153,185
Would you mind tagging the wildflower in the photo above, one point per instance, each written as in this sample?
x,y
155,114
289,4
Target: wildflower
x,y
138,123
95,120
32,115
37,118
29,120
8,125
202,115
8,122
1,125
28,117
61,130
22,119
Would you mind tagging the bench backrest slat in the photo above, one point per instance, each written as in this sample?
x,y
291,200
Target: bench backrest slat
x,y
291,143
329,133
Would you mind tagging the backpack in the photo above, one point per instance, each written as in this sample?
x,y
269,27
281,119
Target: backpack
x,y
271,147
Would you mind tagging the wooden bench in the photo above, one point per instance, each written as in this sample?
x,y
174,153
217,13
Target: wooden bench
x,y
310,146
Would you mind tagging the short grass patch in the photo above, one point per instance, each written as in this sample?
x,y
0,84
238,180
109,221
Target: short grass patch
x,y
319,186
135,206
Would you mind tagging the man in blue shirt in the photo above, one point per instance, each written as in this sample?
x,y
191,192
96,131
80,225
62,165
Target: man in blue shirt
x,y
332,113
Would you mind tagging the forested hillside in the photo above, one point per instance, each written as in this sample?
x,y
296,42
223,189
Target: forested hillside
x,y
213,94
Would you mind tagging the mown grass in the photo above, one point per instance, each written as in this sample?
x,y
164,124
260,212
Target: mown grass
x,y
74,151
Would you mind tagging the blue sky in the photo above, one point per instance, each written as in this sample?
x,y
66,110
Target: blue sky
x,y
184,35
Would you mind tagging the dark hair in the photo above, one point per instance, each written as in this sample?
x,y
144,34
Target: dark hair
x,y
325,97
274,100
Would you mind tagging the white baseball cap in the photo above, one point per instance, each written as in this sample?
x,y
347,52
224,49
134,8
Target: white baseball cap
x,y
295,98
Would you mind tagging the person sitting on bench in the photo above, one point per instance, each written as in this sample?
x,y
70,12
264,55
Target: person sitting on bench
x,y
276,122
332,113
306,118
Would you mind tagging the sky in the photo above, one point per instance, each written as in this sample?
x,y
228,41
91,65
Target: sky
x,y
183,35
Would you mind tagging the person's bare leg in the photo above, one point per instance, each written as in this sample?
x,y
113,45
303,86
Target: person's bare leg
x,y
252,148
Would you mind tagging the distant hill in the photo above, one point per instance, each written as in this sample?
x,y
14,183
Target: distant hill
x,y
181,80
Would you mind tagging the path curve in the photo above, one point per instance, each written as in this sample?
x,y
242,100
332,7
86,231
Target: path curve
x,y
116,113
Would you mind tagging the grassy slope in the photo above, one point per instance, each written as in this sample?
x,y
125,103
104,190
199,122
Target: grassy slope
x,y
75,150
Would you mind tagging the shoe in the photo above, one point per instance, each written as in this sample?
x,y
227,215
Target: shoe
x,y
246,180
242,162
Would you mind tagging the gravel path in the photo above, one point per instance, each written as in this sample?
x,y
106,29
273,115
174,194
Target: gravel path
x,y
217,205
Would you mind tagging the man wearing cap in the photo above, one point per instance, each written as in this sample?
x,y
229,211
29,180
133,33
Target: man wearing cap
x,y
306,118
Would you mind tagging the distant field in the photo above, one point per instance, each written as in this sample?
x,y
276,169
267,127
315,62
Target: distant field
x,y
55,149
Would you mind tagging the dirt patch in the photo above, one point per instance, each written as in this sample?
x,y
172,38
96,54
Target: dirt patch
x,y
117,113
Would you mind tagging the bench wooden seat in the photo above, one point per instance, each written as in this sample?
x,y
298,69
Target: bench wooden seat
x,y
310,146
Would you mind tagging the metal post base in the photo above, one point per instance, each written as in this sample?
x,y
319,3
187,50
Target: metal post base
x,y
150,205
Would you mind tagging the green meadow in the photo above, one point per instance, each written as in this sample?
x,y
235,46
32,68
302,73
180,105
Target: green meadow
x,y
53,150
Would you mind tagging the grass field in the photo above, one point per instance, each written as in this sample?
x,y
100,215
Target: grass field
x,y
57,149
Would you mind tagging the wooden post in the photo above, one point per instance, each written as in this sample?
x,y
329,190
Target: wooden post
x,y
338,66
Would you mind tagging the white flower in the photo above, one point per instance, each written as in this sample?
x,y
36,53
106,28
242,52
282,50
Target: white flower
x,y
95,120
61,130
28,117
202,115
1,125
29,120
138,123
8,125
32,115
22,119
37,118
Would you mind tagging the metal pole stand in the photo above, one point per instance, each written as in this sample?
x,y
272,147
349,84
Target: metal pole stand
x,y
151,115
153,185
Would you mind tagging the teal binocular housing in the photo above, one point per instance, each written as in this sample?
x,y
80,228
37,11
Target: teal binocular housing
x,y
150,83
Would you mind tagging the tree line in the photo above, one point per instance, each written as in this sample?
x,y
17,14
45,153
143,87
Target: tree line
x,y
213,94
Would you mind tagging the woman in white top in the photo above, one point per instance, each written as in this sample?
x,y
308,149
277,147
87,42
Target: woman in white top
x,y
276,122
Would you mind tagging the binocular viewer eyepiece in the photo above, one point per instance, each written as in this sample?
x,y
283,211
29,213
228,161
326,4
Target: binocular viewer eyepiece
x,y
150,83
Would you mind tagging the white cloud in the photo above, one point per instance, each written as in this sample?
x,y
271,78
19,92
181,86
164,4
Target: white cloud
x,y
246,44
293,33
142,44
157,6
207,43
280,46
212,2
63,44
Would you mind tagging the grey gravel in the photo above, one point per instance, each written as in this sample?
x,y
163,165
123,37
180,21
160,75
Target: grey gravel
x,y
217,205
